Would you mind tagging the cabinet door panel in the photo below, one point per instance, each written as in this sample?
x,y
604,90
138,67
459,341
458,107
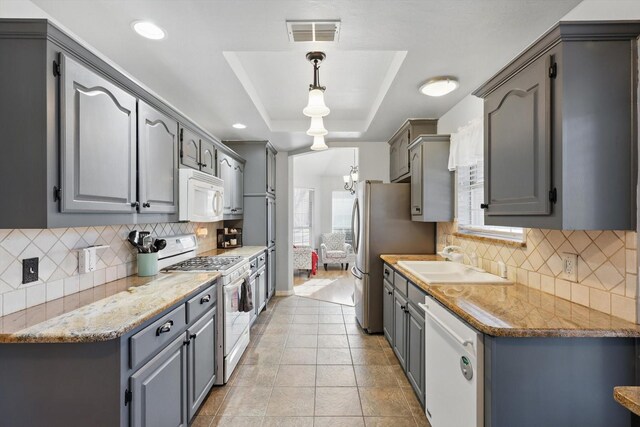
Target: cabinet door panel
x,y
189,149
271,271
416,180
159,389
98,142
518,144
403,154
387,314
393,161
158,151
202,362
271,221
400,328
207,157
225,171
416,350
238,195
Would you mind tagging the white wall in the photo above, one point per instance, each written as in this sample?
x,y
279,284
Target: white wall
x,y
284,224
604,10
373,159
469,108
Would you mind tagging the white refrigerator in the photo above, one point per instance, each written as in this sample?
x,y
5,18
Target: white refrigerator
x,y
381,224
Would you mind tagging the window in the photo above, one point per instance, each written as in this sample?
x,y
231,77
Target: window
x,y
302,216
341,210
470,191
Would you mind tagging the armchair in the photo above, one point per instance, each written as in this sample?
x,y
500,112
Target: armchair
x,y
334,250
302,258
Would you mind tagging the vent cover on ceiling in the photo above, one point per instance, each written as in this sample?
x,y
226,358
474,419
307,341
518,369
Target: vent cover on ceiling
x,y
313,31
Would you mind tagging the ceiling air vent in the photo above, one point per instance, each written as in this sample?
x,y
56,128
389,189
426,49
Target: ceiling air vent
x,y
313,31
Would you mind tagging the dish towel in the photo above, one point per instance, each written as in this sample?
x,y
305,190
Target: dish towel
x,y
246,296
314,262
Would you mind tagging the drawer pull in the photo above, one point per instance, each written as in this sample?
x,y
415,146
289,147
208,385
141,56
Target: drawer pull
x,y
205,299
164,328
389,293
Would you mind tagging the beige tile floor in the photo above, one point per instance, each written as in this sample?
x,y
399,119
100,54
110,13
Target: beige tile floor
x,y
309,364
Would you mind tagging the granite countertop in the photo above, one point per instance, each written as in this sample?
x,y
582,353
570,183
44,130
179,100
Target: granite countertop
x,y
102,313
245,251
515,310
629,397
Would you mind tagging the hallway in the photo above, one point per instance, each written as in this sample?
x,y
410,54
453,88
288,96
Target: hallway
x,y
309,364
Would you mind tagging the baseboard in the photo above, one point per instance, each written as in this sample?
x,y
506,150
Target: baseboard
x,y
285,293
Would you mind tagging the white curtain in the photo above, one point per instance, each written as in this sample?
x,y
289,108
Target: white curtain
x,y
467,145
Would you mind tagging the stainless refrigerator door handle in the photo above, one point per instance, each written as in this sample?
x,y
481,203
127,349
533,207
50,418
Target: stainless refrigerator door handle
x,y
356,237
354,271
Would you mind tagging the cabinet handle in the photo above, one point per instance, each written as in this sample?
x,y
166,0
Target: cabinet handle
x,y
164,328
204,165
146,205
135,204
193,336
205,299
402,307
386,273
389,293
484,206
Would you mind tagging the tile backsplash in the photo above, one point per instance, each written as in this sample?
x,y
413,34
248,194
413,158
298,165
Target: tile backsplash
x,y
58,265
607,264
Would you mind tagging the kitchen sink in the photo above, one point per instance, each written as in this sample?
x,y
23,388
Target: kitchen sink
x,y
447,272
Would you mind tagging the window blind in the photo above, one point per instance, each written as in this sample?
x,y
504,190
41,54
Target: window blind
x,y
302,216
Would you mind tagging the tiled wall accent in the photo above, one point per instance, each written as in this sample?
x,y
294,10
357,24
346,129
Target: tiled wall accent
x,y
607,265
58,268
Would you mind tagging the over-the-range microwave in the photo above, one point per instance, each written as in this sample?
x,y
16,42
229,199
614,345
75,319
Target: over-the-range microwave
x,y
201,197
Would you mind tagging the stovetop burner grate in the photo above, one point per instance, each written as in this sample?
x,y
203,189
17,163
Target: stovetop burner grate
x,y
206,263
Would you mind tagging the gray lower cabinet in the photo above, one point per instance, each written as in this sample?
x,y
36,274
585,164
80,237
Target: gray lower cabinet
x,y
160,389
387,304
415,364
399,344
201,360
404,327
560,131
157,160
431,181
98,142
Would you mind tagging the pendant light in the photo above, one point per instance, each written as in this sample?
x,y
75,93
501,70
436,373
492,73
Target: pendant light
x,y
316,106
319,144
317,127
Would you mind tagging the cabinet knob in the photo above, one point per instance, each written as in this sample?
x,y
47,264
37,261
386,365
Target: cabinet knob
x,y
205,299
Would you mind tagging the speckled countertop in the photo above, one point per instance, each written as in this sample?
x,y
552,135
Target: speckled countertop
x,y
104,312
245,251
515,310
629,397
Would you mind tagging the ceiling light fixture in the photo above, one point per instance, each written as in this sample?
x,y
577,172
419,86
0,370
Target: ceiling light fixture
x,y
319,144
316,106
239,126
439,86
317,127
149,30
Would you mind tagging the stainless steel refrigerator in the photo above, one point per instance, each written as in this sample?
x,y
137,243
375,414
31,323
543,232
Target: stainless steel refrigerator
x,y
381,224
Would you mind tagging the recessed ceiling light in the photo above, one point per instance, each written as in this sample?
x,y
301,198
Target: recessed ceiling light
x,y
439,86
149,30
239,126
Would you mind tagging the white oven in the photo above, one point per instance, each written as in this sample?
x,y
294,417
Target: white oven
x,y
201,197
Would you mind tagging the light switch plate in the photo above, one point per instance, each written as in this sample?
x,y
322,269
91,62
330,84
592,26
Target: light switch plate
x,y
30,270
570,267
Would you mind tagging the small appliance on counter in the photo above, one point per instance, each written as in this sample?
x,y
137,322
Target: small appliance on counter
x,y
232,340
229,238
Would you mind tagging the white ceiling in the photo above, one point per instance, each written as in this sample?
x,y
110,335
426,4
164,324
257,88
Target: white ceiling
x,y
228,61
331,162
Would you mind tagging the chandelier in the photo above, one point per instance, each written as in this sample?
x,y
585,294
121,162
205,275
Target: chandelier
x,y
316,108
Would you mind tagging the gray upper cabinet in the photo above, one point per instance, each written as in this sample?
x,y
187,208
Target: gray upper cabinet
x,y
98,133
196,152
231,171
259,191
400,164
159,389
207,157
560,131
157,160
431,181
189,149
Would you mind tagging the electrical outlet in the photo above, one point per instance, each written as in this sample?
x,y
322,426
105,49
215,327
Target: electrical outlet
x,y
30,270
570,267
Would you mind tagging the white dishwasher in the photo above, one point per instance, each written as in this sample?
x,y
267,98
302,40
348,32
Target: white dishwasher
x,y
454,369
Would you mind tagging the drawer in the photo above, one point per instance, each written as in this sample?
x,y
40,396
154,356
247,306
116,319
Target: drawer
x,y
400,283
387,273
202,302
253,264
262,260
157,335
416,295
